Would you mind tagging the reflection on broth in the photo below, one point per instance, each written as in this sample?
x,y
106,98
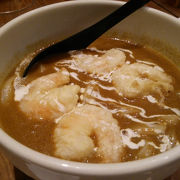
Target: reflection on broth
x,y
112,102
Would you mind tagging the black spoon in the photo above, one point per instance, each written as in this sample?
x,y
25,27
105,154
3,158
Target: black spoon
x,y
84,38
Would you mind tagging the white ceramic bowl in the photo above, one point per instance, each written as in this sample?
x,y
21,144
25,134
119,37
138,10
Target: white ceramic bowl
x,y
64,19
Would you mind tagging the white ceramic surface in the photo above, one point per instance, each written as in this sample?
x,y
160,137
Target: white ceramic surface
x,y
65,19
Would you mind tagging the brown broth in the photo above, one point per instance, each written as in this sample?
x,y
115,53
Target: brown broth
x,y
38,134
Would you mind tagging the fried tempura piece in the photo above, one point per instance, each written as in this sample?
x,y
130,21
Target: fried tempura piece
x,y
49,97
110,60
73,135
138,80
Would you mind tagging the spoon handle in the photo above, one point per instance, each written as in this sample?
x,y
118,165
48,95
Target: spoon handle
x,y
90,34
85,37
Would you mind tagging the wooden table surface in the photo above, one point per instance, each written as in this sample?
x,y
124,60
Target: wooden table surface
x,y
7,171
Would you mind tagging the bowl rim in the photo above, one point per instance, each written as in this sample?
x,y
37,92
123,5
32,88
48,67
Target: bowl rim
x,y
77,168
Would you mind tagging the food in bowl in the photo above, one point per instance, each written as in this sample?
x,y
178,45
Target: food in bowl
x,y
115,101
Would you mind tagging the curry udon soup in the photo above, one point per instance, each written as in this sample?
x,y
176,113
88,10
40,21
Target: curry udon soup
x,y
113,102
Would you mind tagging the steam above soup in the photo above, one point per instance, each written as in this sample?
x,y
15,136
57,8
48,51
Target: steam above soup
x,y
112,102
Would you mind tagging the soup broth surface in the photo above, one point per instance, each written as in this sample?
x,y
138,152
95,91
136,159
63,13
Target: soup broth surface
x,y
148,125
